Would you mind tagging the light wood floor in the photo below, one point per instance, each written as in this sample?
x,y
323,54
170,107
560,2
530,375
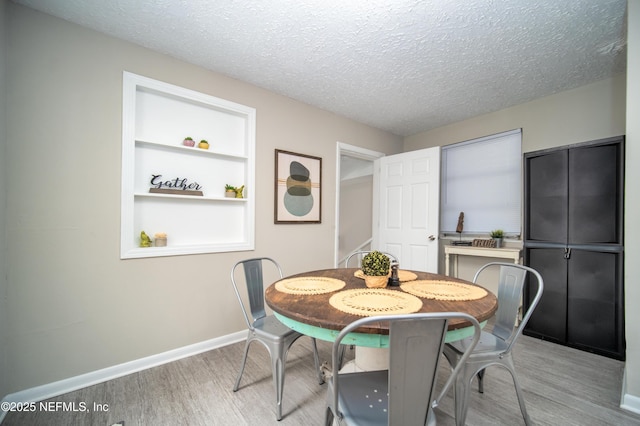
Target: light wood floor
x,y
562,386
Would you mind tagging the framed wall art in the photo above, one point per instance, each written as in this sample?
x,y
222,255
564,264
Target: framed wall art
x,y
298,190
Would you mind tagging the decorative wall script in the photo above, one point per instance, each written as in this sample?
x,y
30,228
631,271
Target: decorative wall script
x,y
177,186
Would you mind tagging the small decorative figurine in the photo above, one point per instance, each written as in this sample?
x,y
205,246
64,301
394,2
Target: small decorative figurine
x,y
459,231
460,223
145,241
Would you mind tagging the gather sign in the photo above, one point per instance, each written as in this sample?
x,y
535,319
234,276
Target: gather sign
x,y
177,185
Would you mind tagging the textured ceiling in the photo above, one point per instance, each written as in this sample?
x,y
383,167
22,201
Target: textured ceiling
x,y
405,66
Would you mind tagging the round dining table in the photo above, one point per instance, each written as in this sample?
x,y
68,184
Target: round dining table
x,y
304,303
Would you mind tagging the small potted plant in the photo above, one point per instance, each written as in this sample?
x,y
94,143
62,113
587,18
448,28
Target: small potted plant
x,y
203,144
375,268
497,235
188,141
230,191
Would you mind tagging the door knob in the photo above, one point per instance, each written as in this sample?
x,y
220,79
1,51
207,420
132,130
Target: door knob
x,y
431,238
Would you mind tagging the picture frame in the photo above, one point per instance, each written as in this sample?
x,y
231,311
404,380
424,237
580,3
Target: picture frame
x,y
298,188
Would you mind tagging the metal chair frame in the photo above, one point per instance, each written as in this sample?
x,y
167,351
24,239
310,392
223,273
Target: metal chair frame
x,y
495,346
403,394
266,329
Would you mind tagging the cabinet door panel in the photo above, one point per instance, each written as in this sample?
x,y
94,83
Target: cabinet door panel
x,y
593,300
594,207
548,319
546,192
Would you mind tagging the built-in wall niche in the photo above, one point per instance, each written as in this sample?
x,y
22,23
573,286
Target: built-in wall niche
x,y
192,210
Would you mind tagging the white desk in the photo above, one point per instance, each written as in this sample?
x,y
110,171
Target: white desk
x,y
503,253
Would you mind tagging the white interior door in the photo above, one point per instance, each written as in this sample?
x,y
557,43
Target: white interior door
x,y
407,193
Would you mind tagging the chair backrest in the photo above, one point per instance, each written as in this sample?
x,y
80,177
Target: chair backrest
x,y
360,254
255,286
415,346
510,288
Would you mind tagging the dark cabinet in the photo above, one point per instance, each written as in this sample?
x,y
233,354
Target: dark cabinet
x,y
573,236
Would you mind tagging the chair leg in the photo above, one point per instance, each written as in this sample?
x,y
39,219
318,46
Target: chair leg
x,y
431,417
509,364
480,381
244,361
343,349
328,418
340,358
316,359
277,368
462,394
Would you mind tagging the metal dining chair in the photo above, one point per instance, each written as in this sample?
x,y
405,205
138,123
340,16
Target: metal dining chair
x,y
403,394
267,329
360,254
495,346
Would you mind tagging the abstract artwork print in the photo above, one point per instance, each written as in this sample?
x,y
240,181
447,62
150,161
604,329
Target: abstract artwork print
x,y
297,188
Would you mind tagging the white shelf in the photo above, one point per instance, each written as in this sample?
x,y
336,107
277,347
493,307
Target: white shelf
x,y
191,150
179,250
156,118
191,197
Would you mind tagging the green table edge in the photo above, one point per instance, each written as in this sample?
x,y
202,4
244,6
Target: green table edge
x,y
362,339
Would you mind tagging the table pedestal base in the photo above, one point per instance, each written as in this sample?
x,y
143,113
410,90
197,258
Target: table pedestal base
x,y
368,359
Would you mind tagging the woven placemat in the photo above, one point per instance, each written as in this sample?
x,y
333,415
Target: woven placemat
x,y
402,275
309,285
375,301
443,290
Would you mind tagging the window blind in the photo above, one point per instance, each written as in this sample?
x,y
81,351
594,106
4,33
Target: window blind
x,y
482,178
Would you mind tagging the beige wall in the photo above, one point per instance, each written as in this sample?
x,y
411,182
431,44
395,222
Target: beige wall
x,y
74,306
632,210
589,112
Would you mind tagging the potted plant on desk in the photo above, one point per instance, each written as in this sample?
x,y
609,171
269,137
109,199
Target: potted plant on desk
x,y
375,268
497,235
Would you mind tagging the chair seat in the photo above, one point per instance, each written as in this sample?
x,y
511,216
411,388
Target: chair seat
x,y
271,328
488,344
367,398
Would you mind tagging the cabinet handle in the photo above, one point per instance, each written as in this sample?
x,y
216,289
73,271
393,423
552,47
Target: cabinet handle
x,y
431,238
567,253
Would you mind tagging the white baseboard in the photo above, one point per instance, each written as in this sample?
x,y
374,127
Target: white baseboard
x,y
71,384
627,401
630,403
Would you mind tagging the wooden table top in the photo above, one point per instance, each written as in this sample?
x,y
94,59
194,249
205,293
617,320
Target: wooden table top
x,y
316,311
